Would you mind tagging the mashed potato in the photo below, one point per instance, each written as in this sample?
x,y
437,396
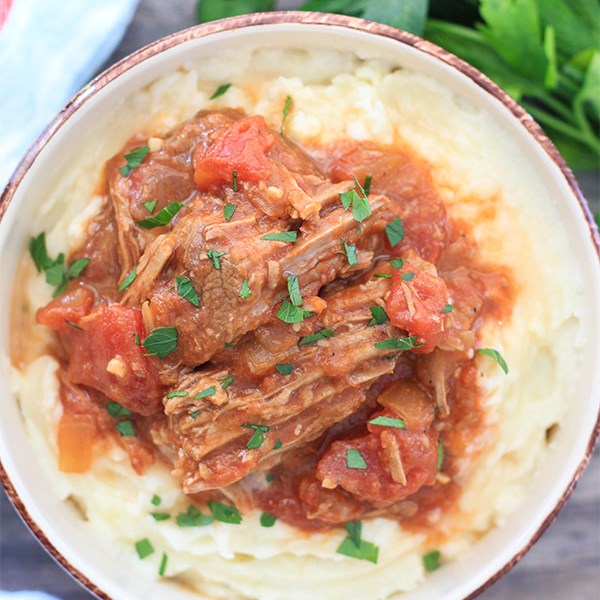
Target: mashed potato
x,y
483,179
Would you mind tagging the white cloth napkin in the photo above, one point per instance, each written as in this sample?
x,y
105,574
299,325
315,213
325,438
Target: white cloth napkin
x,y
48,50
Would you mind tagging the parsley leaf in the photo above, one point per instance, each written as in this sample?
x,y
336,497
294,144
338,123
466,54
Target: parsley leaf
x,y
388,422
117,411
214,256
224,513
193,518
284,368
258,437
234,181
354,459
288,313
160,516
209,391
350,250
156,500
362,551
361,209
226,382
286,111
134,160
151,205
354,529
431,560
399,343
495,355
394,232
129,279
283,236
383,275
220,90
379,316
407,276
186,289
144,548
163,564
447,309
397,263
125,428
228,210
161,341
177,394
245,292
162,218
293,286
267,519
367,185
315,337
440,456
39,254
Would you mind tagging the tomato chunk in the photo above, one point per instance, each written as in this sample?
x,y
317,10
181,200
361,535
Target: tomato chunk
x,y
242,148
398,461
66,310
104,356
416,301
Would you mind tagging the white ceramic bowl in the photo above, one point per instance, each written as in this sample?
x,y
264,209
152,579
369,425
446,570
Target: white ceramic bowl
x,y
53,521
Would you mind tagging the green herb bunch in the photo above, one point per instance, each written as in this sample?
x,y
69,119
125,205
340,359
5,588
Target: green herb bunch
x,y
544,53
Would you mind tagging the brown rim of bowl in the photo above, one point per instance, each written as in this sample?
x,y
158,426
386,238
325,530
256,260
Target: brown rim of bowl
x,y
302,18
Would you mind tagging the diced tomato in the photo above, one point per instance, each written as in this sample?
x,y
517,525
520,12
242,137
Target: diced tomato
x,y
105,356
242,147
75,440
66,310
399,462
415,303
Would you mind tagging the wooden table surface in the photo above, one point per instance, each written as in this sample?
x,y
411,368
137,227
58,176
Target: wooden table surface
x,y
564,564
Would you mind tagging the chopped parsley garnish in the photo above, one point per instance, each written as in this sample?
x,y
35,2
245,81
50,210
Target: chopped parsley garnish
x,y
441,455
125,428
194,414
54,269
367,185
177,394
117,411
235,181
134,160
447,309
209,391
162,218
354,459
286,111
215,258
245,292
388,422
186,289
379,316
278,444
161,341
397,263
355,547
151,205
226,382
193,518
383,275
431,560
73,325
258,437
136,340
315,337
163,564
288,313
394,232
129,279
156,500
225,513
269,477
267,519
294,290
228,210
284,368
361,208
220,90
407,276
495,355
160,516
350,250
39,254
144,548
399,343
283,236
228,345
